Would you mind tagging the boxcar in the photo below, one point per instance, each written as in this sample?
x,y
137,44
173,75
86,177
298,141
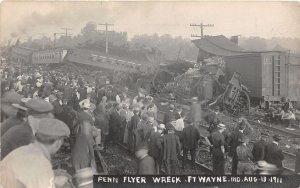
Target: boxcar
x,y
269,74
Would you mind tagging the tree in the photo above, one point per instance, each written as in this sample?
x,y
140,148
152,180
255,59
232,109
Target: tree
x,y
90,29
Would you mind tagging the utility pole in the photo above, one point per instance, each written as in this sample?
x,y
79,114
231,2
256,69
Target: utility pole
x,y
106,36
67,29
202,26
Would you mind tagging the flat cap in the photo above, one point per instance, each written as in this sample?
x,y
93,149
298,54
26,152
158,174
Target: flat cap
x,y
53,127
39,106
11,97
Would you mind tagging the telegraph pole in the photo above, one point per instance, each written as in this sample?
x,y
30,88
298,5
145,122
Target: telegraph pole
x,y
66,29
106,36
202,26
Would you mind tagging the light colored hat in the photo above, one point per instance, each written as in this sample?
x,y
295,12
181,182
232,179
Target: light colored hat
x,y
53,127
221,126
161,126
85,104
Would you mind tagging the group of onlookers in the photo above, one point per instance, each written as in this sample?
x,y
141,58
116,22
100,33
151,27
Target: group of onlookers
x,y
41,108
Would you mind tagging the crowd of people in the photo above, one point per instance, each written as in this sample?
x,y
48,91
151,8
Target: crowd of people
x,y
283,113
41,108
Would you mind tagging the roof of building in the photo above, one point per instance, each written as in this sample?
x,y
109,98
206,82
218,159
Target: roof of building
x,y
219,45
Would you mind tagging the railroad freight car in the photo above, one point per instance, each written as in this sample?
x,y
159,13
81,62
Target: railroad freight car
x,y
53,56
270,74
21,54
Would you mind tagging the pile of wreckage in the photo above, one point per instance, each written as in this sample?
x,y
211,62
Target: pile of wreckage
x,y
207,81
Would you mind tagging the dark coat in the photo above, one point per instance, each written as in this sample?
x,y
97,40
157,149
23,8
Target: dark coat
x,y
170,146
9,123
146,166
102,121
234,142
273,154
75,101
68,93
168,117
26,91
83,93
190,137
258,150
135,119
82,153
16,137
143,134
57,108
115,121
178,115
154,148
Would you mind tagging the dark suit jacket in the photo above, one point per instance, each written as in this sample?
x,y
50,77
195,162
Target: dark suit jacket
x,y
115,121
154,148
16,137
234,142
9,123
258,150
273,154
190,137
168,117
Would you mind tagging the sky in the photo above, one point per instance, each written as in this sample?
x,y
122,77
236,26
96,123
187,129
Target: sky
x,y
263,19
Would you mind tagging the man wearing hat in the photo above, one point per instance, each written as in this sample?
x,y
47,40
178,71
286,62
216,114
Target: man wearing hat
x,y
57,107
7,110
18,136
258,150
196,111
171,146
244,155
273,154
190,137
132,125
154,149
233,144
30,165
115,123
144,129
218,150
18,119
169,115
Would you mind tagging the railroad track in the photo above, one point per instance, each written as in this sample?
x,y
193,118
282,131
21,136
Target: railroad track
x,y
287,155
287,169
202,167
291,134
